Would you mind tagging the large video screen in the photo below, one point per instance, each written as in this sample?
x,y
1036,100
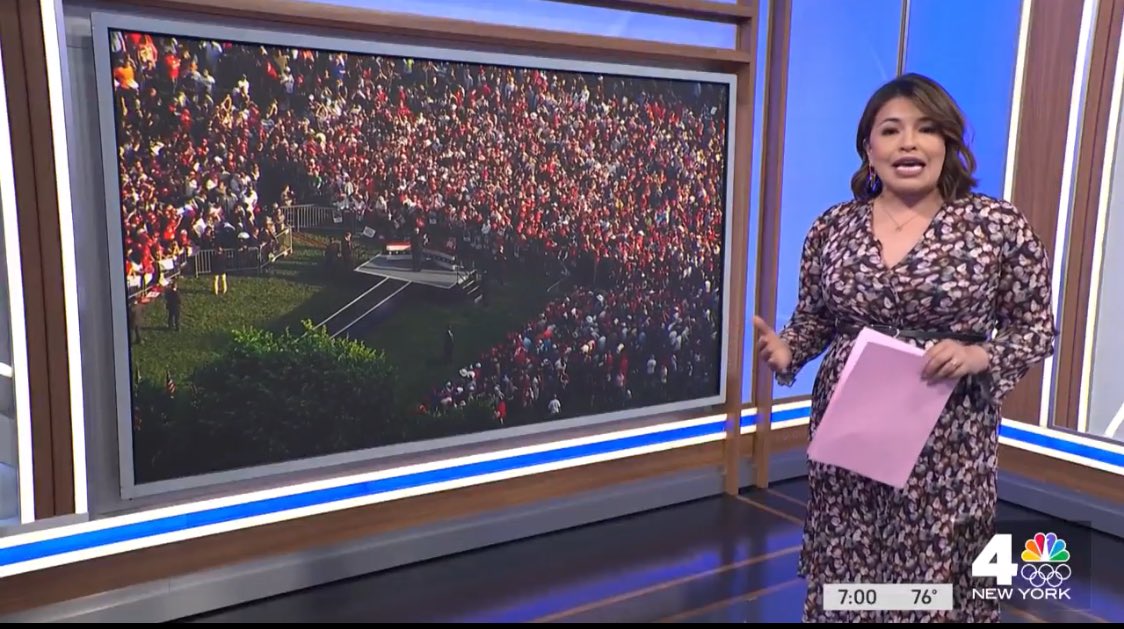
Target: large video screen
x,y
329,247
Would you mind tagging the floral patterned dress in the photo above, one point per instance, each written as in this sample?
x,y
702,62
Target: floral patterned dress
x,y
979,268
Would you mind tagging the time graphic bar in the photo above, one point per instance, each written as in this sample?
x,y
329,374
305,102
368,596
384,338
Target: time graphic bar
x,y
887,596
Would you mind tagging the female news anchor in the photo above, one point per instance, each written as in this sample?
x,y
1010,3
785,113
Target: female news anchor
x,y
918,254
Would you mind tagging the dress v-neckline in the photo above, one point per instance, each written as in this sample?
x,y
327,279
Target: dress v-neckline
x,y
912,251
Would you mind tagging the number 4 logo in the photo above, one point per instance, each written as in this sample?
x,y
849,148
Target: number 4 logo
x,y
995,560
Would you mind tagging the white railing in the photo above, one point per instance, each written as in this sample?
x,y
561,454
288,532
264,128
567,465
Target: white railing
x,y
246,258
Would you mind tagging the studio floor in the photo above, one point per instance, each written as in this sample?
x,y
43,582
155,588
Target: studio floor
x,y
729,559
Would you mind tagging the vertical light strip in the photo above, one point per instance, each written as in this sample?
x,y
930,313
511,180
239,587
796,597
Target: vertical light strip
x,y
1114,425
18,333
1098,246
1065,201
1017,101
51,11
903,36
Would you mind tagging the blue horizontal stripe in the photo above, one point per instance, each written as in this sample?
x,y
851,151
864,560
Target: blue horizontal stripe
x,y
801,412
170,524
280,504
1006,430
750,418
1062,445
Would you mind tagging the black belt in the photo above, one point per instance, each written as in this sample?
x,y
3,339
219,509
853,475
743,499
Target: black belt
x,y
917,335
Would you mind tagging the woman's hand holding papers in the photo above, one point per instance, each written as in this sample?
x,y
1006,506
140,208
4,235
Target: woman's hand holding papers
x,y
771,349
952,360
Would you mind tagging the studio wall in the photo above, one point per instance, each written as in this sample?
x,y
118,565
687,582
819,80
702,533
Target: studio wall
x,y
558,16
753,223
16,505
17,494
285,500
1102,409
979,71
1097,224
839,53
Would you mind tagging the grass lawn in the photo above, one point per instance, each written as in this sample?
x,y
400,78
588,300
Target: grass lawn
x,y
413,337
297,288
294,289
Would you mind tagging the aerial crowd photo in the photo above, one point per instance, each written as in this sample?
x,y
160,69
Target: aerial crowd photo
x,y
328,251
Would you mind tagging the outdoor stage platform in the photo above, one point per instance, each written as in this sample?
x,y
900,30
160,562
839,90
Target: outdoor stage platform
x,y
439,269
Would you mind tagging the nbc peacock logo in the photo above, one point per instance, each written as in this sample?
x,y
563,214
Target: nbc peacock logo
x,y
1045,556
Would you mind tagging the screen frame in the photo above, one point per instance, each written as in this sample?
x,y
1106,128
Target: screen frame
x,y
102,22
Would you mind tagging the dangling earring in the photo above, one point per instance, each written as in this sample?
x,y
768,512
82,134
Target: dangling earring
x,y
873,183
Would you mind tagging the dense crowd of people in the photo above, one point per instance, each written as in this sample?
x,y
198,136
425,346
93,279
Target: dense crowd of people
x,y
624,178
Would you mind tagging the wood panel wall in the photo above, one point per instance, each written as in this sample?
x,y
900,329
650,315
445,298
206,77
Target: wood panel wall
x,y
769,216
1051,53
745,43
21,29
71,581
25,75
1083,224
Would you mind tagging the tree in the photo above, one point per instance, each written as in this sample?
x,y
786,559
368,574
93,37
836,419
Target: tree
x,y
271,398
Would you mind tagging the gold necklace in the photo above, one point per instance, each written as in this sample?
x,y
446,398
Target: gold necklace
x,y
899,226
